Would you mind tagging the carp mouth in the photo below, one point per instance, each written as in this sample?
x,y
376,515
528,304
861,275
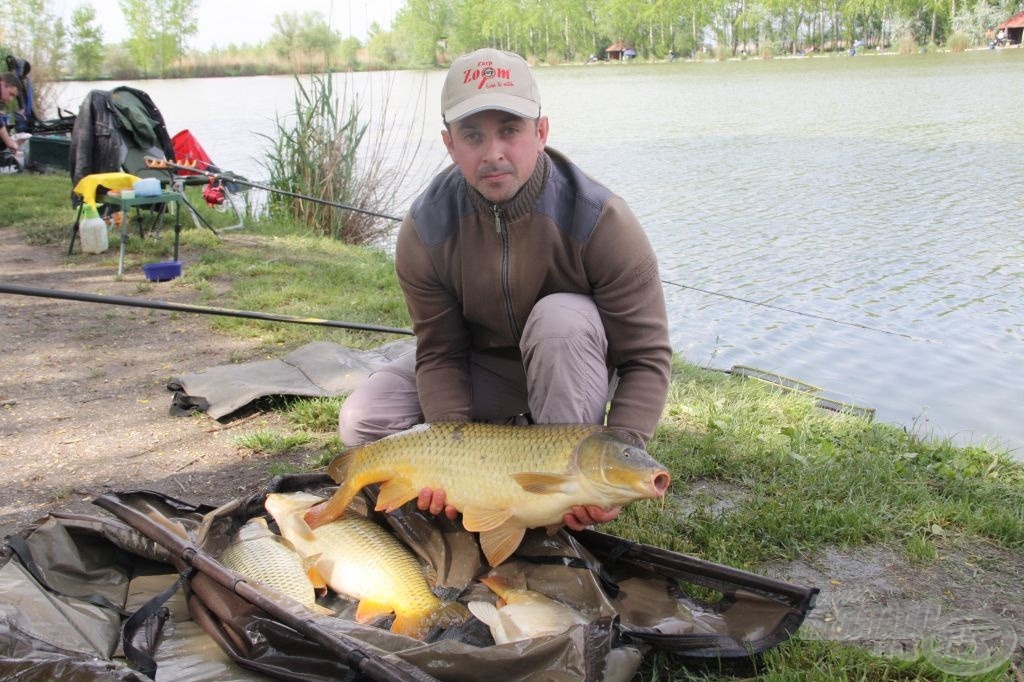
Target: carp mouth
x,y
659,483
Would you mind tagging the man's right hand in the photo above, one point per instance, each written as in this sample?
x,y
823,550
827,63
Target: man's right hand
x,y
433,501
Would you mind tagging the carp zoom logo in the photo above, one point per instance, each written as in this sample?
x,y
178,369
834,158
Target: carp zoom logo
x,y
485,73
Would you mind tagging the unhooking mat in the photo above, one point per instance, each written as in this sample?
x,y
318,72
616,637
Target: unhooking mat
x,y
99,597
318,369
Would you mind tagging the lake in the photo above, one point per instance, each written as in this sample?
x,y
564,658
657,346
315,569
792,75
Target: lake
x,y
854,223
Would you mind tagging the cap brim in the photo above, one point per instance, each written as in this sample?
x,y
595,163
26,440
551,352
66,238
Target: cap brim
x,y
492,100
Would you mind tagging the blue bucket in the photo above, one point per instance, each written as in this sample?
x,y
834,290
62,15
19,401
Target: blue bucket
x,y
162,272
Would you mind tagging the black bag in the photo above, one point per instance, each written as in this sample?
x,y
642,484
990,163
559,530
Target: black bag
x,y
638,597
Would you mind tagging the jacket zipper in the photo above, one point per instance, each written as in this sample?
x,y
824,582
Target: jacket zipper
x,y
506,285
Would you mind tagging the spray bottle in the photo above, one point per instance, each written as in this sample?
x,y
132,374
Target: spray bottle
x,y
93,231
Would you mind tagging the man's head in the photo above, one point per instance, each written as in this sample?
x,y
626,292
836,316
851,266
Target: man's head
x,y
9,85
493,128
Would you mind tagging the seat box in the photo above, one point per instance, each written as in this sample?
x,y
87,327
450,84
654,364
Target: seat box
x,y
48,153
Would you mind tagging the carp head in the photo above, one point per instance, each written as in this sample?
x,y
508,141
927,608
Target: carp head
x,y
618,470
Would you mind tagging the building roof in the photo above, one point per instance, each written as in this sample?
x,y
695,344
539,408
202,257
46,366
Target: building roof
x,y
1016,21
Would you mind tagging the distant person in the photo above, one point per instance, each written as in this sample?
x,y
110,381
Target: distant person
x,y
9,87
533,291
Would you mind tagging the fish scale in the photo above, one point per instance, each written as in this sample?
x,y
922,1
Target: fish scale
x,y
504,479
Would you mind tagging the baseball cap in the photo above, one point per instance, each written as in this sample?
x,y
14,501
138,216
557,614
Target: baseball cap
x,y
489,79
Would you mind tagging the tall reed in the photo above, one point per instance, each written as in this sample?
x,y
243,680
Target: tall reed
x,y
325,149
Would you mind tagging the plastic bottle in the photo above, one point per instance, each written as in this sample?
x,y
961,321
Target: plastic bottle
x,y
93,231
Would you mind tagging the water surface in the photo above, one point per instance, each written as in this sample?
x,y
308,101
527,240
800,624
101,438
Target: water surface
x,y
882,193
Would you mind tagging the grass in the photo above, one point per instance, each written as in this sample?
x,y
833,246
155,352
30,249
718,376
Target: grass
x,y
268,442
798,479
810,479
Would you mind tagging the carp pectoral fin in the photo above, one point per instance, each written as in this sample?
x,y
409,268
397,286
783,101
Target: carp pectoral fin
x,y
368,610
319,584
394,493
479,519
485,612
541,483
498,544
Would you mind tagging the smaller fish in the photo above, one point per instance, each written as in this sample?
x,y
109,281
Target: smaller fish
x,y
269,560
522,613
361,560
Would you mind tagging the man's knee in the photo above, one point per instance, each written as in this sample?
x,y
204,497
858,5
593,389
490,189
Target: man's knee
x,y
571,318
561,315
385,403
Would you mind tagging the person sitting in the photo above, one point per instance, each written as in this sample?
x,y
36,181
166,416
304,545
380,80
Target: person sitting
x,y
9,86
533,291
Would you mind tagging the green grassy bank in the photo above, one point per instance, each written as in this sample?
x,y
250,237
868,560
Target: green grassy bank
x,y
800,480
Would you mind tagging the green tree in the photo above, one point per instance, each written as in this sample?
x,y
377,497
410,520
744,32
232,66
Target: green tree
x,y
158,31
31,31
304,39
36,34
86,43
425,24
380,47
349,51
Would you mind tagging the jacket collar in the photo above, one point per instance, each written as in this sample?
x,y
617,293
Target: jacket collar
x,y
524,200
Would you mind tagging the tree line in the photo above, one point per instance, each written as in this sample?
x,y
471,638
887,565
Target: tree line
x,y
428,32
574,30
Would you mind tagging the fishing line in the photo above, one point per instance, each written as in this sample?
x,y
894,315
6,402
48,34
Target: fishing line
x,y
190,308
800,312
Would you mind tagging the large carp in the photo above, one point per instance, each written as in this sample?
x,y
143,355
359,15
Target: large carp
x,y
504,479
359,559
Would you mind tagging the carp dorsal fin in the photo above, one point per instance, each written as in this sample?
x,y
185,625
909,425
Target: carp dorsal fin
x,y
498,544
394,493
541,483
479,519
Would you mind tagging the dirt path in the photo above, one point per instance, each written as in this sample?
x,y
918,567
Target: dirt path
x,y
83,397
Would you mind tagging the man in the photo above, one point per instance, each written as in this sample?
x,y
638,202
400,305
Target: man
x,y
8,91
532,288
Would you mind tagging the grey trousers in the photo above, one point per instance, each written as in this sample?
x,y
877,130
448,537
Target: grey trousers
x,y
564,378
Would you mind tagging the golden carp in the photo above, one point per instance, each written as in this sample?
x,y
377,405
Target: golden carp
x,y
522,613
504,479
263,557
359,559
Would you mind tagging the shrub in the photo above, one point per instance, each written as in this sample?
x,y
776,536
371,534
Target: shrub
x,y
958,42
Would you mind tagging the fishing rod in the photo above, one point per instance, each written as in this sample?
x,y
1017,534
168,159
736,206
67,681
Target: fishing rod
x,y
163,164
190,308
800,312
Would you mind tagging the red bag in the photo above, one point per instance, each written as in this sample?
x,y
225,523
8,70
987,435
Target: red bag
x,y
188,151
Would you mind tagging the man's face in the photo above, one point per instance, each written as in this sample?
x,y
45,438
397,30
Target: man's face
x,y
7,92
496,151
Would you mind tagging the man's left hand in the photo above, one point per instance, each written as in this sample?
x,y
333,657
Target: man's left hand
x,y
581,517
